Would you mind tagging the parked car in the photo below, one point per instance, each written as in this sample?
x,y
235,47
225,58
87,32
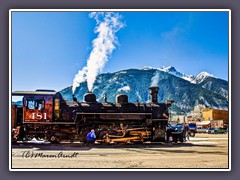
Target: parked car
x,y
201,130
211,131
221,130
217,130
192,129
174,132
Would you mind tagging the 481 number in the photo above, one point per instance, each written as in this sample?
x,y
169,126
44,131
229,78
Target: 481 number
x,y
38,116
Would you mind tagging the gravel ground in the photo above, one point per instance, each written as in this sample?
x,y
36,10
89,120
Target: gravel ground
x,y
202,151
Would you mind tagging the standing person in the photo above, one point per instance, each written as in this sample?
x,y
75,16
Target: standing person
x,y
91,137
186,129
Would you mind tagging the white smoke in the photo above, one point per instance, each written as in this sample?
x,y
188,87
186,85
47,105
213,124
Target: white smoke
x,y
108,23
155,79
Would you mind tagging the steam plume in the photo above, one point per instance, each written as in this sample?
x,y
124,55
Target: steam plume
x,y
108,24
155,79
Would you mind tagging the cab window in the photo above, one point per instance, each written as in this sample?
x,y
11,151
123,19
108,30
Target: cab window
x,y
37,104
30,104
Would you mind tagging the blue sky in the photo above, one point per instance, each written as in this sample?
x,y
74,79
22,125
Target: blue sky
x,y
48,48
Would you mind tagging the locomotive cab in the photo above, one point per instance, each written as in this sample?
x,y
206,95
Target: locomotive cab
x,y
39,105
36,116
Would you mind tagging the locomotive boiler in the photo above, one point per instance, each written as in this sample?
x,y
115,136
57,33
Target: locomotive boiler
x,y
45,114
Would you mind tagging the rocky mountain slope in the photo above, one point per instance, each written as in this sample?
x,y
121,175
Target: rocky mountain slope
x,y
186,90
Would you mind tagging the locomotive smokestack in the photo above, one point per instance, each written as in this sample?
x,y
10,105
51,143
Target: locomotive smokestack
x,y
89,97
74,98
154,93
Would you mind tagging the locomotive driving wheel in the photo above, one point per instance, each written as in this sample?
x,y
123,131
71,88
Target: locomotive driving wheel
x,y
55,139
102,134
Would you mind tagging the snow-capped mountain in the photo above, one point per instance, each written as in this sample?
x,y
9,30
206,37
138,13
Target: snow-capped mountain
x,y
215,85
201,77
211,91
191,78
205,79
174,72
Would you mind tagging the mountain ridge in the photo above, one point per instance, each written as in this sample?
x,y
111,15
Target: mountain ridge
x,y
135,83
172,70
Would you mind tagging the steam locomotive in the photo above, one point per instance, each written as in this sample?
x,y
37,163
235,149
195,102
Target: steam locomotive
x,y
45,114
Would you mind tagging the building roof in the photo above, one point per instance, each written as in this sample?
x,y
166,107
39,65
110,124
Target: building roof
x,y
211,109
23,93
203,123
207,109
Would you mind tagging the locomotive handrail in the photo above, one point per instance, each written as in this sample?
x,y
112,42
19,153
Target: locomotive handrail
x,y
114,113
40,122
159,119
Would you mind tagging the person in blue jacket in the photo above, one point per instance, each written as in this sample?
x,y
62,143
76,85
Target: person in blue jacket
x,y
91,137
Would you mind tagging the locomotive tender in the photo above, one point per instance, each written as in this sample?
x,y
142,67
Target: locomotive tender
x,y
45,114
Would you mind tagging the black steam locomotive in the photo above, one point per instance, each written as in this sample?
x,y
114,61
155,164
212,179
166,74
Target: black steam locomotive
x,y
45,114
